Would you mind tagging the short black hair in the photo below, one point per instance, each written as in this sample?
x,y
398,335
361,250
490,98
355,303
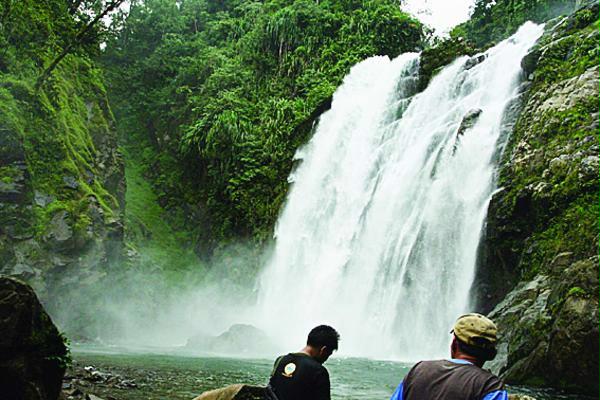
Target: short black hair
x,y
486,353
323,335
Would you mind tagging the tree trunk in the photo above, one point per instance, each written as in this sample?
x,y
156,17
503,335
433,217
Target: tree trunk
x,y
77,40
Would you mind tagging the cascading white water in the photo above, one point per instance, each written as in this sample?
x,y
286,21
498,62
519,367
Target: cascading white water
x,y
380,230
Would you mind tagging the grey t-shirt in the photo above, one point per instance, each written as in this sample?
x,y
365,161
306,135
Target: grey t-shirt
x,y
446,380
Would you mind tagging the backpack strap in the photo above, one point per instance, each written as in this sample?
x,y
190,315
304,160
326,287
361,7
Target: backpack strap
x,y
276,365
270,394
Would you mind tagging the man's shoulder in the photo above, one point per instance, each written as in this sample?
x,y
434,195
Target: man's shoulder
x,y
312,363
466,367
429,364
301,359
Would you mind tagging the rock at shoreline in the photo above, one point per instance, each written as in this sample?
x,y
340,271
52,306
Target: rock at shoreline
x,y
88,382
33,355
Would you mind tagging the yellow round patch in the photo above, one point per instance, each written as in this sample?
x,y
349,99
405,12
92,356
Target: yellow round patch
x,y
289,369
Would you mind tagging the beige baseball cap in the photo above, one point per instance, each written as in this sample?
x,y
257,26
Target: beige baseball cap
x,y
475,330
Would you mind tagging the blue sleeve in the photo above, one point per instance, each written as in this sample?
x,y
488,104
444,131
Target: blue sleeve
x,y
496,395
398,393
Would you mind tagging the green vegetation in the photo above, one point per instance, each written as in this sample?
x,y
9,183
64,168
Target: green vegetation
x,y
61,183
574,230
217,97
494,20
576,291
147,231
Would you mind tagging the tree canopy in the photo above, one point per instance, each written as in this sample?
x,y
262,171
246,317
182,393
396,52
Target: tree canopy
x,y
221,87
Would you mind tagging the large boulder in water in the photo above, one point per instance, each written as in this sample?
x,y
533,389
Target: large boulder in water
x,y
239,339
32,352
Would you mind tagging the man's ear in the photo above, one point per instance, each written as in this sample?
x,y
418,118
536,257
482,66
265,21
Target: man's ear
x,y
453,347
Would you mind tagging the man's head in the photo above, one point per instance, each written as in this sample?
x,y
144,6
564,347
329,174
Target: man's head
x,y
323,340
474,336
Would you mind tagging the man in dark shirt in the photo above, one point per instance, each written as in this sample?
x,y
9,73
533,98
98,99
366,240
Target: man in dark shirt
x,y
461,377
301,376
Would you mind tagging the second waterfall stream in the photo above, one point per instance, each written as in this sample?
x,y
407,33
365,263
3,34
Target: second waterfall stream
x,y
380,230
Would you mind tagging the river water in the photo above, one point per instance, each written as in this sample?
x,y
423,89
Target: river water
x,y
173,376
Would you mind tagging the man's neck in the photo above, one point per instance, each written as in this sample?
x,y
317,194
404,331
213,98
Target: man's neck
x,y
469,358
309,351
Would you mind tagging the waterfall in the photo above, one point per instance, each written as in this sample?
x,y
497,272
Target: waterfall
x,y
380,230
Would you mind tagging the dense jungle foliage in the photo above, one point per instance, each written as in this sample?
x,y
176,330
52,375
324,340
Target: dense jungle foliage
x,y
214,97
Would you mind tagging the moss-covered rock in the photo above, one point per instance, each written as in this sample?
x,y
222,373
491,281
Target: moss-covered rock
x,y
549,329
547,202
62,183
433,59
542,227
61,173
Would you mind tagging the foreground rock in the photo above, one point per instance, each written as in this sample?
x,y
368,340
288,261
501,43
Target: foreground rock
x,y
235,392
33,355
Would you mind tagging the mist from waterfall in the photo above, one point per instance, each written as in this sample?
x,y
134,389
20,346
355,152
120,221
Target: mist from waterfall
x,y
380,230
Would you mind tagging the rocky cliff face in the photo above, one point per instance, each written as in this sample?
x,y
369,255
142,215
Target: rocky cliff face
x,y
539,262
61,182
